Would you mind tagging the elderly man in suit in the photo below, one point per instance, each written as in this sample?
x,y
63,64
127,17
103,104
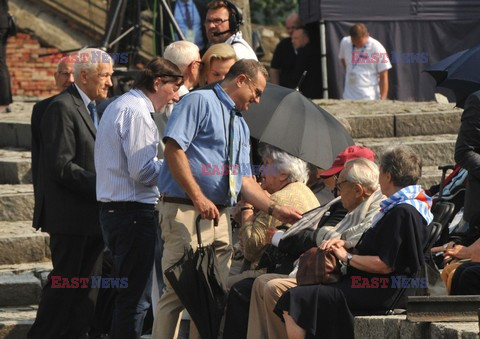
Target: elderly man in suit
x,y
63,79
70,207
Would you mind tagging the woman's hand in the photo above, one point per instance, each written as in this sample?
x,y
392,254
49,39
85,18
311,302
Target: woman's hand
x,y
332,243
457,252
269,234
340,252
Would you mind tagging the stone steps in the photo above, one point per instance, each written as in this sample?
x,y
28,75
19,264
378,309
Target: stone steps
x,y
396,326
15,166
434,149
21,284
20,243
16,321
16,202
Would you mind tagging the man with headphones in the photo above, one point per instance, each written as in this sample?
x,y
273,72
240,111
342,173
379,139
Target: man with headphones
x,y
222,24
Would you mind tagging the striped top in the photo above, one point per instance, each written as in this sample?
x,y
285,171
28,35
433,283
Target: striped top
x,y
126,151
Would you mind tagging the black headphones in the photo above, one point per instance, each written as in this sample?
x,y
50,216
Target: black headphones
x,y
235,16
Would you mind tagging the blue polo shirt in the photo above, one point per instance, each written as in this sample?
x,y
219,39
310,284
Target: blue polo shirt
x,y
200,125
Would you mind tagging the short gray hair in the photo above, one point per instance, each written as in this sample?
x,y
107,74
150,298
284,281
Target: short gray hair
x,y
362,171
403,164
286,163
88,59
182,53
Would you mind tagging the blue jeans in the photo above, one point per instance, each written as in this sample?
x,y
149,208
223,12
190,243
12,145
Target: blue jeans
x,y
130,234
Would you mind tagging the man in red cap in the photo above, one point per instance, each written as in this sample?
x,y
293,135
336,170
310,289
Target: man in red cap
x,y
351,152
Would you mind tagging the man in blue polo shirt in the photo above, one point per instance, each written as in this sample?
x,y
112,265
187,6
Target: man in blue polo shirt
x,y
206,130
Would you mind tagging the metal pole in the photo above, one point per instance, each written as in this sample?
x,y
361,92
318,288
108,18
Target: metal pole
x,y
323,59
112,22
173,21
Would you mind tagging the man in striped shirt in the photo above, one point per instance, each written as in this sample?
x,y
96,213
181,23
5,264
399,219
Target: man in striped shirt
x,y
127,172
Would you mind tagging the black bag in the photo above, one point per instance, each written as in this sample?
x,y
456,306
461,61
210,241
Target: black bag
x,y
12,25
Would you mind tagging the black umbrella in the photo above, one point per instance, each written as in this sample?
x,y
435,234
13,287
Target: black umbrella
x,y
286,119
198,284
459,72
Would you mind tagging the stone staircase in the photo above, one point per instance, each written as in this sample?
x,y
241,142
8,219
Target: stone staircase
x,y
24,254
430,128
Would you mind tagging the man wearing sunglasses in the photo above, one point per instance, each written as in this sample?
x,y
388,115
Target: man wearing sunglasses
x,y
206,130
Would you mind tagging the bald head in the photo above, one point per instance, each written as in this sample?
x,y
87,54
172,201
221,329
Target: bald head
x,y
293,22
64,74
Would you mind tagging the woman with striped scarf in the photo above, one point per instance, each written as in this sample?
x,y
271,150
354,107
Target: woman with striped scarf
x,y
392,247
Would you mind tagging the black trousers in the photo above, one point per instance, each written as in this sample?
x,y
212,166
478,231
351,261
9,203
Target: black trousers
x,y
238,306
5,86
466,279
68,312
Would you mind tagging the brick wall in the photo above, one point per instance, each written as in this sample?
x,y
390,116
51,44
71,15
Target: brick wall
x,y
30,74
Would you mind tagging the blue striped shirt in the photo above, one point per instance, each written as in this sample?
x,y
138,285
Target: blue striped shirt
x,y
126,151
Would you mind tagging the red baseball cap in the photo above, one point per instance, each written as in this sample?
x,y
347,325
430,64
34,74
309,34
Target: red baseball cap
x,y
351,152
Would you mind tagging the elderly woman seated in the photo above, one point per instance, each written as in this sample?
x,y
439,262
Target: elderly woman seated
x,y
283,178
360,194
393,246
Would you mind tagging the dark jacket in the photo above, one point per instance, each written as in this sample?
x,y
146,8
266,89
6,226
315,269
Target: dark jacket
x,y
467,155
68,171
38,189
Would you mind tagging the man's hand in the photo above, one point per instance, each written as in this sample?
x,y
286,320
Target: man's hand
x,y
206,208
286,214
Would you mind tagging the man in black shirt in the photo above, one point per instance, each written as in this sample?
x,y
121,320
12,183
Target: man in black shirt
x,y
284,56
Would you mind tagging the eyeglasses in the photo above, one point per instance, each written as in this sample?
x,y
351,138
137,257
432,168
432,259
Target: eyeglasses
x,y
258,93
216,21
338,185
200,62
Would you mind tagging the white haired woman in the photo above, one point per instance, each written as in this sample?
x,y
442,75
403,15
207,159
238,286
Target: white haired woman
x,y
284,178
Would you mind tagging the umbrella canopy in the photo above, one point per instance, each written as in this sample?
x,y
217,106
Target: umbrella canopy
x,y
286,119
196,280
459,72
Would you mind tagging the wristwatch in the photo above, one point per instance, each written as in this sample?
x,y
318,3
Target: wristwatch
x,y
349,257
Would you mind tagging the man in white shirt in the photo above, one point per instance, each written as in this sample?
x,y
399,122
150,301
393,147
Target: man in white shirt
x,y
366,63
223,25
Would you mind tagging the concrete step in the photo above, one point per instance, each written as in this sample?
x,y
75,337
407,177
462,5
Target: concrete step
x,y
15,166
15,126
16,202
21,285
389,118
16,321
431,175
434,149
396,326
20,243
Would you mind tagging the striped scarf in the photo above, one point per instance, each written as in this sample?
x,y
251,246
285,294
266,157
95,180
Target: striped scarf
x,y
412,195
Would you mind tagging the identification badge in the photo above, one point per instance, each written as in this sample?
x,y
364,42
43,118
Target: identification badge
x,y
190,35
352,78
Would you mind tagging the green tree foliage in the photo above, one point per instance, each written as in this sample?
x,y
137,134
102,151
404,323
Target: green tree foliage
x,y
271,12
